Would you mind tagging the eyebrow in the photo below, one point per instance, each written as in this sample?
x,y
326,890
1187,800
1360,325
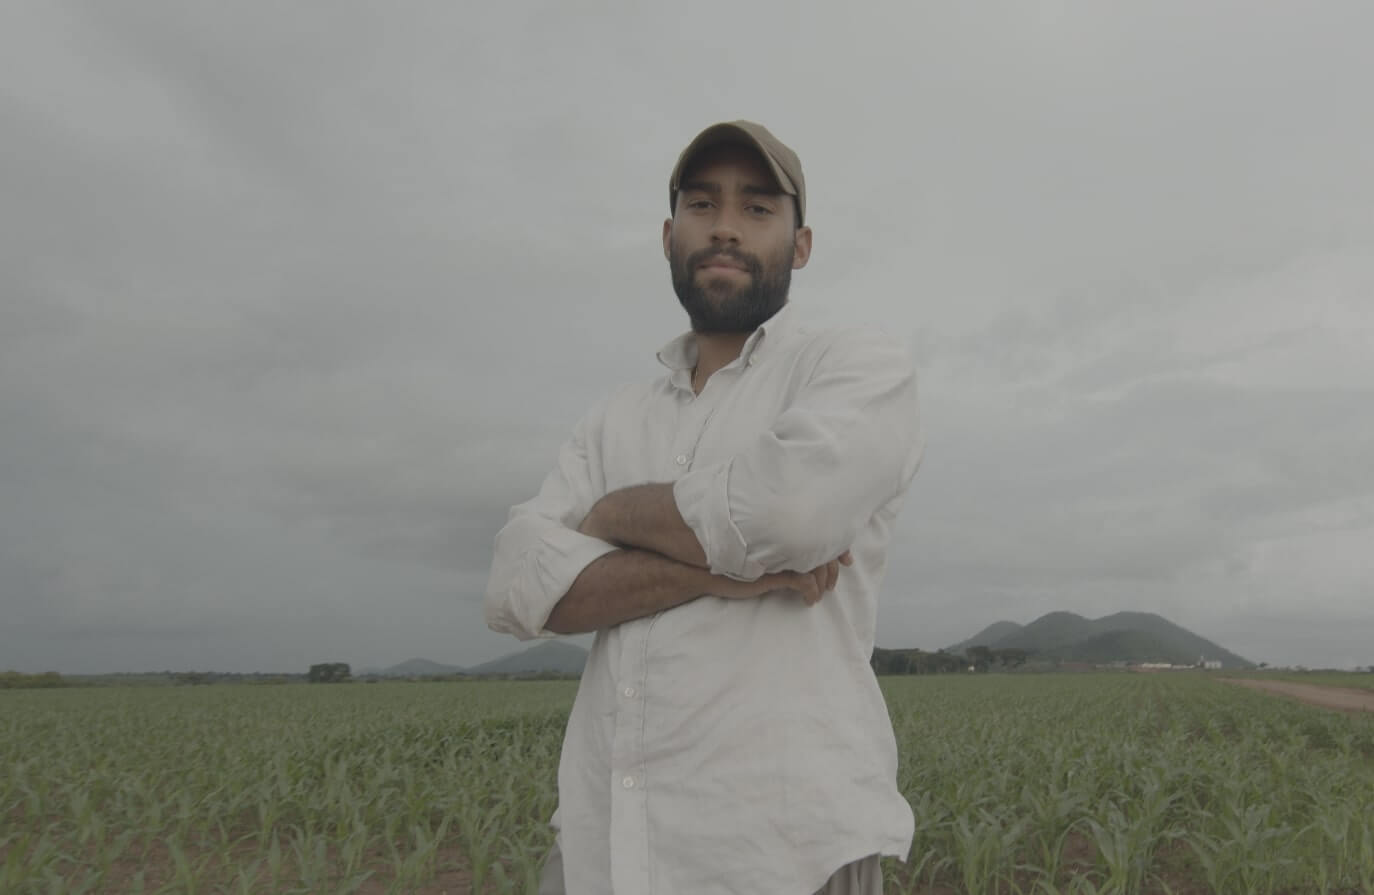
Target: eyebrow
x,y
706,186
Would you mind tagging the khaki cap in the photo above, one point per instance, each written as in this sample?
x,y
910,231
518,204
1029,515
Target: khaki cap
x,y
782,161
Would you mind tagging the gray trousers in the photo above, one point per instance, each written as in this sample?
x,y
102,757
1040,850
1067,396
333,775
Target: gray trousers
x,y
863,877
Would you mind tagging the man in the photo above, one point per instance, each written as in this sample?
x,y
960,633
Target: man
x,y
723,530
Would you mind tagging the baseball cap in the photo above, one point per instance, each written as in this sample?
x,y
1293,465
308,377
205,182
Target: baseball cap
x,y
782,161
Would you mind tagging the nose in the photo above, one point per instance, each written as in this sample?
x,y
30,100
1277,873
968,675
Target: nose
x,y
725,228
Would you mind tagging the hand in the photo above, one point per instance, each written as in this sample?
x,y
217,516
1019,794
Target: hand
x,y
811,585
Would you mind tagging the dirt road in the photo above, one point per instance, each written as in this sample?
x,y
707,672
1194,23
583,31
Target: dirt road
x,y
1342,698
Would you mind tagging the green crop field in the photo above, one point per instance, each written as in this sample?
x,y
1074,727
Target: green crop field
x,y
1020,784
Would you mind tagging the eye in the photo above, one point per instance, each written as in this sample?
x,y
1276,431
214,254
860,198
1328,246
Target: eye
x,y
760,210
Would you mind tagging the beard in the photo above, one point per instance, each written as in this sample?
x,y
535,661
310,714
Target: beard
x,y
720,306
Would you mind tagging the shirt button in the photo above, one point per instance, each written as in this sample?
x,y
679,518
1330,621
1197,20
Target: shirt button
x,y
629,692
681,459
628,783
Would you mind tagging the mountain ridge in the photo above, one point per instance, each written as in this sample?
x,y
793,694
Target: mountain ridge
x,y
418,668
546,657
1134,637
986,637
551,656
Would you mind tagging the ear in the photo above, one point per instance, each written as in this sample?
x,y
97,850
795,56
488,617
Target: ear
x,y
801,247
667,236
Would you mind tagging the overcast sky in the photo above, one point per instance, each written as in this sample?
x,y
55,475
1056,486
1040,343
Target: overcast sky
x,y
297,299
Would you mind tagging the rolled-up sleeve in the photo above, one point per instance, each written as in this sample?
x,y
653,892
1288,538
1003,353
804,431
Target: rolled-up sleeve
x,y
539,552
799,495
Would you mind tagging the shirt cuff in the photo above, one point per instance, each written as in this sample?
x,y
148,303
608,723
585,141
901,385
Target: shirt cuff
x,y
703,499
548,573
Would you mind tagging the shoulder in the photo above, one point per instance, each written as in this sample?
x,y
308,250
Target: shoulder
x,y
857,347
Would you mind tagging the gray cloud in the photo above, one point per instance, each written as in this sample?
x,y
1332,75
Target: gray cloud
x,y
296,302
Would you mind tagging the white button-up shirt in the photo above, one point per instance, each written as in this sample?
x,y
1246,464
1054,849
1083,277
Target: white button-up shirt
x,y
726,745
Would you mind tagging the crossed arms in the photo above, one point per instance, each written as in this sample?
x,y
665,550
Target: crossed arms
x,y
660,565
781,513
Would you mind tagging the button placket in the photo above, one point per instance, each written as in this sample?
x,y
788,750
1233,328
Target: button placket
x,y
691,425
629,825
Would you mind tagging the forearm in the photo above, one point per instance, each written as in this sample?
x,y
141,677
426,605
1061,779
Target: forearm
x,y
630,584
645,517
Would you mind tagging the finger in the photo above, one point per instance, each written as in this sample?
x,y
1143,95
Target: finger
x,y
817,583
771,581
832,574
846,559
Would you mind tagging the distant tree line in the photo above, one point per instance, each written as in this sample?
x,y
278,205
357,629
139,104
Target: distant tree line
x,y
330,673
985,658
16,680
198,678
976,658
459,676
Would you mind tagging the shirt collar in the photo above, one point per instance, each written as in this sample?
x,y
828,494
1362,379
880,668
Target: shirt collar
x,y
680,355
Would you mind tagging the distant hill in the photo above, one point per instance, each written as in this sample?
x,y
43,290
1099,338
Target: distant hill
x,y
1049,632
551,656
419,668
1122,637
986,637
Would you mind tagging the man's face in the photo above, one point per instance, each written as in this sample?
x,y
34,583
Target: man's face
x,y
732,242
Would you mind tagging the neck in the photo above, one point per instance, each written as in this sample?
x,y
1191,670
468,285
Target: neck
x,y
715,350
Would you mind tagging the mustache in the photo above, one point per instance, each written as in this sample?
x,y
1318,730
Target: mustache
x,y
749,262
